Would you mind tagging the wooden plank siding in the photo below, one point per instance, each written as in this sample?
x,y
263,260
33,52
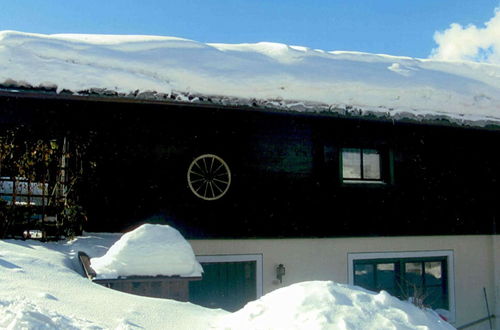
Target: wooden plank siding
x,y
286,174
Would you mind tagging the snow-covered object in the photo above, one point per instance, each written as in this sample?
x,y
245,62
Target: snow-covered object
x,y
149,250
269,74
328,305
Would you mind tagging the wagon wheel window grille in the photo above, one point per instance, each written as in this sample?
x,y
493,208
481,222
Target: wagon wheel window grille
x,y
209,177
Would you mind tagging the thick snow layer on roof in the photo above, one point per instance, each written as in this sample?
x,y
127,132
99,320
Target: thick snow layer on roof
x,y
149,250
42,287
328,305
277,75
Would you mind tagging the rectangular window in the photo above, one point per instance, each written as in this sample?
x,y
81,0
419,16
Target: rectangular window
x,y
21,191
361,165
423,277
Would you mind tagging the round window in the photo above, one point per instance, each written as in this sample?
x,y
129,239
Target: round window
x,y
209,177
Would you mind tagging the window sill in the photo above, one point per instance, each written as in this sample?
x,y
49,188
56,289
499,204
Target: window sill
x,y
363,183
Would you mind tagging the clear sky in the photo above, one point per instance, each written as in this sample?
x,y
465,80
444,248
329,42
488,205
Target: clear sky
x,y
396,27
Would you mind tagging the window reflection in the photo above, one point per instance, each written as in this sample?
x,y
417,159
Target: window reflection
x,y
361,164
371,164
24,191
424,278
351,164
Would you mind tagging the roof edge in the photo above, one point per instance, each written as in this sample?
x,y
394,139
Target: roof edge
x,y
183,99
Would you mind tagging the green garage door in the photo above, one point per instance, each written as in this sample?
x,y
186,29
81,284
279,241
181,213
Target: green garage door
x,y
226,285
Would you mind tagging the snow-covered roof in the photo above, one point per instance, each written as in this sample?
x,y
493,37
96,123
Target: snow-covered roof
x,y
264,74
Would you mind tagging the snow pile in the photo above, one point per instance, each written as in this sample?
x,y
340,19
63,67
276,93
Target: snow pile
x,y
328,305
42,287
149,250
265,74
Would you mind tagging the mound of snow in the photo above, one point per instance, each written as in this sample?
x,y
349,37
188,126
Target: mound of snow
x,y
149,250
328,305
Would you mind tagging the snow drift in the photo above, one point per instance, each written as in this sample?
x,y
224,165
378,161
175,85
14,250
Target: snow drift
x,y
42,287
328,305
280,76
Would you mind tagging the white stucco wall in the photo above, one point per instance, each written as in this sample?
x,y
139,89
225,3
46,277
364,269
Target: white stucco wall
x,y
476,263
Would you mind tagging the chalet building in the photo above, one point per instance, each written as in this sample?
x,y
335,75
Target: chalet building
x,y
396,205
271,192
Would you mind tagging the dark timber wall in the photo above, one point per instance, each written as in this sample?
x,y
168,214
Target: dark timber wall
x,y
286,170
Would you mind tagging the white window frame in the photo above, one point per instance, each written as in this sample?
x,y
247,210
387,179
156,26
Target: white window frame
x,y
351,257
259,276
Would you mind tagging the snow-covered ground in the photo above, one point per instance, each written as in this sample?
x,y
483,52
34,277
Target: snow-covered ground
x,y
42,287
267,74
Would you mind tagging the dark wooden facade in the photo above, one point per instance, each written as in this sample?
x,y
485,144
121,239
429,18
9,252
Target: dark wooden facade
x,y
286,172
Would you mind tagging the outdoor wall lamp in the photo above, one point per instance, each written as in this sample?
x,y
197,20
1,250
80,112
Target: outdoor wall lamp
x,y
53,144
280,272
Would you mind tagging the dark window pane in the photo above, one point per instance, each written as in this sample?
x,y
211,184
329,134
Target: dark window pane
x,y
37,200
6,186
386,278
434,297
7,198
413,274
364,276
22,200
329,153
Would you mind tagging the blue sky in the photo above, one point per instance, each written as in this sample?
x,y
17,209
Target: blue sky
x,y
397,27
